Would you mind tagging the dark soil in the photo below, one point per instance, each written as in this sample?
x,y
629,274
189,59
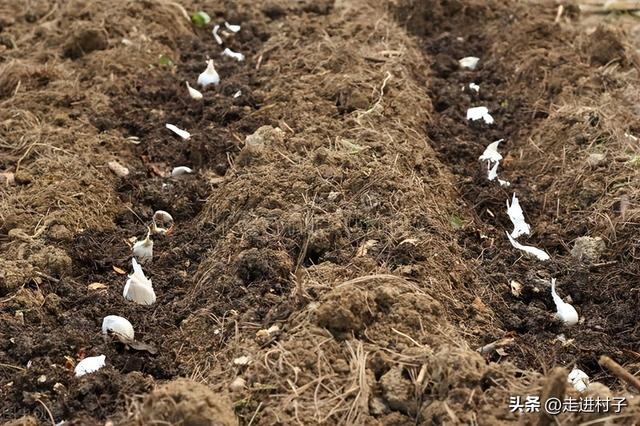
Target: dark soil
x,y
363,227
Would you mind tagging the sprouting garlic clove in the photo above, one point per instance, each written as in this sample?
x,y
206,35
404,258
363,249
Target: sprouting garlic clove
x,y
118,325
182,133
195,94
209,76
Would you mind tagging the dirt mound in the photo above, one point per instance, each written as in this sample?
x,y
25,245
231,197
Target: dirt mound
x,y
183,402
338,255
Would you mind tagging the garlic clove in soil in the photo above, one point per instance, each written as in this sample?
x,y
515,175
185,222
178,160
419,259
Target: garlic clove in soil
x,y
491,152
565,312
162,222
235,55
232,28
195,94
182,133
520,226
579,379
479,113
89,365
209,76
138,288
534,251
118,325
216,28
492,171
470,62
180,170
143,250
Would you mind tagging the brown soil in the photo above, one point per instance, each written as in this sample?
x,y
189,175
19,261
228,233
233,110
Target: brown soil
x,y
356,218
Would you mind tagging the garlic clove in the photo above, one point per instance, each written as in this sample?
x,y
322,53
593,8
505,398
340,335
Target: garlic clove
x,y
209,76
232,28
235,55
138,288
118,169
520,226
182,133
534,251
564,311
492,171
480,113
89,365
162,222
143,250
242,360
118,325
195,94
180,170
579,379
470,62
491,152
216,28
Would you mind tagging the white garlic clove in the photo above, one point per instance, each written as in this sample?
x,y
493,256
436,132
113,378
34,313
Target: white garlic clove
x,y
479,113
162,222
492,171
90,364
118,325
491,152
242,361
232,28
235,55
238,384
138,288
564,311
470,62
180,170
182,133
520,226
534,251
579,379
195,94
143,250
216,28
118,169
209,76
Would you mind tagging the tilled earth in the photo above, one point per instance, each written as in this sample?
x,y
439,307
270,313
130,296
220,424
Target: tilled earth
x,y
362,232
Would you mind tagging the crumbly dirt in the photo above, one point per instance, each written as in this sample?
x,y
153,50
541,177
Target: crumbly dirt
x,y
338,248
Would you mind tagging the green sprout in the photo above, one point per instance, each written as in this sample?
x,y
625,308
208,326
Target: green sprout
x,y
200,19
